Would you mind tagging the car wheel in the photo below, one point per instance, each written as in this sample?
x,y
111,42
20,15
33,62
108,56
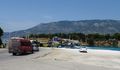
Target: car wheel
x,y
14,54
18,53
32,51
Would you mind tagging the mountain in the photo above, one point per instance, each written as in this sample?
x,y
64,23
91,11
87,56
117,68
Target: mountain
x,y
82,26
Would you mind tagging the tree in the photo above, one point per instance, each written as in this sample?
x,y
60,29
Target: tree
x,y
1,33
116,36
107,36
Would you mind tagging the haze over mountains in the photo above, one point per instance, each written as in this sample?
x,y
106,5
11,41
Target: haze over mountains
x,y
82,26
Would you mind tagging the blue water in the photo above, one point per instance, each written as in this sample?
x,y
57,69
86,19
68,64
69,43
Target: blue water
x,y
105,48
94,47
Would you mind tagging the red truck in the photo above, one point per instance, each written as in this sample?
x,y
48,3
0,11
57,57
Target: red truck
x,y
19,46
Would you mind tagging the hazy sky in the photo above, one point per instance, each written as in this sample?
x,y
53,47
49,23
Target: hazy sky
x,y
23,14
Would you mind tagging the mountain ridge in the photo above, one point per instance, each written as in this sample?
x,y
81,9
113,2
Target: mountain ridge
x,y
81,26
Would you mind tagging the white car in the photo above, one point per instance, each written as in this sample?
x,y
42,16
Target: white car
x,y
83,49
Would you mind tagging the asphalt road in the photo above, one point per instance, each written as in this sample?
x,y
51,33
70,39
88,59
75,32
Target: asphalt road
x,y
4,55
31,62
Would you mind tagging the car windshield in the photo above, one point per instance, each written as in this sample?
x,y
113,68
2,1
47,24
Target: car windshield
x,y
77,44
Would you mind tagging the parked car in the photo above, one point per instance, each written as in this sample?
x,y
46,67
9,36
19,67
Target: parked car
x,y
77,46
62,46
19,46
35,45
83,49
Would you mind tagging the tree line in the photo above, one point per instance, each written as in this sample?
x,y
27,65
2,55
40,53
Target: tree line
x,y
90,39
79,36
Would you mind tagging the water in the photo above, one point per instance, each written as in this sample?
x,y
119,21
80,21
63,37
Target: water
x,y
105,48
95,47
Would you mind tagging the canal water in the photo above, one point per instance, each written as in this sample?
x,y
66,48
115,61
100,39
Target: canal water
x,y
104,48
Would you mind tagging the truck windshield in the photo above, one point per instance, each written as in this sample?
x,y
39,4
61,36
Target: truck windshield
x,y
15,43
25,44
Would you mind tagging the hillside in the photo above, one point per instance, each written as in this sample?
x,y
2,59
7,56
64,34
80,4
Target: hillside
x,y
83,26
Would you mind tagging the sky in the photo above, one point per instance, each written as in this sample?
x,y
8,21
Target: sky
x,y
23,14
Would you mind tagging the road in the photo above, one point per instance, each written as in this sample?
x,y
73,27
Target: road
x,y
5,56
39,61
